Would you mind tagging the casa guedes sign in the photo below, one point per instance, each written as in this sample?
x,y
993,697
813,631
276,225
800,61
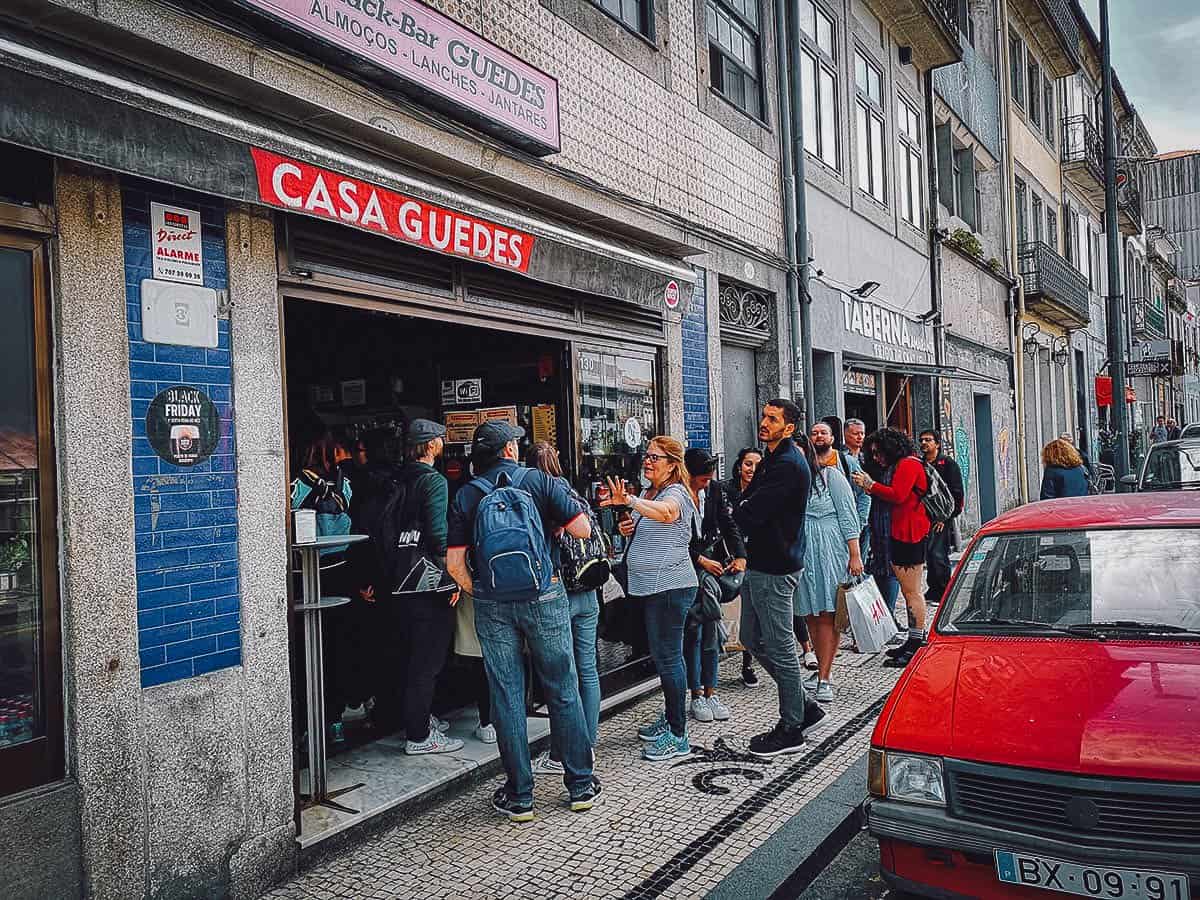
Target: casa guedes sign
x,y
444,60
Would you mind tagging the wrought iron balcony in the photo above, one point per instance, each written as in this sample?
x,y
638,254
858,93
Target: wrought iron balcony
x,y
1057,31
1148,320
1129,208
1053,289
930,27
1083,156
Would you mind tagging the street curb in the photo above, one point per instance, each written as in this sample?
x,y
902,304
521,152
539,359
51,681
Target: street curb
x,y
791,859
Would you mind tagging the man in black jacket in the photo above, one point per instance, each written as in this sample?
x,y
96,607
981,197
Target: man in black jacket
x,y
937,552
771,516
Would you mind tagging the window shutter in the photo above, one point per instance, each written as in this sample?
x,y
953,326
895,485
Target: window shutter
x,y
966,188
945,169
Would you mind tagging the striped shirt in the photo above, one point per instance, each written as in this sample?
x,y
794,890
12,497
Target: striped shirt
x,y
658,555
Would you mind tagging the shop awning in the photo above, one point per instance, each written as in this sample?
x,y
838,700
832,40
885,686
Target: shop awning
x,y
855,361
63,102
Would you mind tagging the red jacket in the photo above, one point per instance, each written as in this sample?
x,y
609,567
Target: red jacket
x,y
909,522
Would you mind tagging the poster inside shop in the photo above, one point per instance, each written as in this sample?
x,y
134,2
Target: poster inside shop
x,y
182,425
545,423
499,414
460,427
175,244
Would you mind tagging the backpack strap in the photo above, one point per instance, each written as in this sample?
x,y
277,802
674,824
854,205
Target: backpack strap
x,y
517,479
483,484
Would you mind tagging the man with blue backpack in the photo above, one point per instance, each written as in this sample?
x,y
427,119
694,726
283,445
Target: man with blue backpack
x,y
502,521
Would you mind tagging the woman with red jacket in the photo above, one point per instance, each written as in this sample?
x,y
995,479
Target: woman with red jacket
x,y
895,452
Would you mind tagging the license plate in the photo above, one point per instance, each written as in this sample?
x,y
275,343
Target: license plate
x,y
1089,881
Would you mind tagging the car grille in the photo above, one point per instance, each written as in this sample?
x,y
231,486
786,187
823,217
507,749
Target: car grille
x,y
1117,812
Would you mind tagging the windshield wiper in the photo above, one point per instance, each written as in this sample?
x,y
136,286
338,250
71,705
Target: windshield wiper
x,y
1130,625
1008,623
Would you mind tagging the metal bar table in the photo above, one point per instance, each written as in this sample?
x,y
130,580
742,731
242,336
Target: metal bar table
x,y
312,608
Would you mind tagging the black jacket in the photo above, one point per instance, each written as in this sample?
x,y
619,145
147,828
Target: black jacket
x,y
771,511
952,475
716,521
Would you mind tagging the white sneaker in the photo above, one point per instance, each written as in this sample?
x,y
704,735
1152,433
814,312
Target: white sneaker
x,y
485,733
354,713
435,743
700,710
436,724
720,711
544,765
810,660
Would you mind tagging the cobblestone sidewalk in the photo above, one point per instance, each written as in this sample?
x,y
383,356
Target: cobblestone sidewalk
x,y
658,830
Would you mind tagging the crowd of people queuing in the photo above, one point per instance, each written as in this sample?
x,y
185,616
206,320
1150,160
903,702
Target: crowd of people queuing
x,y
485,572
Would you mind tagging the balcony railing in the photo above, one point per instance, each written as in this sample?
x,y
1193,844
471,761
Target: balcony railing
x,y
1083,154
1061,16
1052,286
946,12
1129,208
1148,320
930,27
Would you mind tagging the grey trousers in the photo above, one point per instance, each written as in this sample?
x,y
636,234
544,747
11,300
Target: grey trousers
x,y
766,631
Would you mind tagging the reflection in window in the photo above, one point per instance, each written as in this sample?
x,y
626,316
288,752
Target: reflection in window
x,y
618,413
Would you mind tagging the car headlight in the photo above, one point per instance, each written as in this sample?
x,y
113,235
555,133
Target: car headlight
x,y
913,779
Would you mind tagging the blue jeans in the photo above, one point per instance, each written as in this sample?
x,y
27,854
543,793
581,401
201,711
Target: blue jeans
x,y
702,653
544,623
665,617
585,617
766,632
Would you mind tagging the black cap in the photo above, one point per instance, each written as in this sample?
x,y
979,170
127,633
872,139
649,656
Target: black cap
x,y
422,431
699,461
490,438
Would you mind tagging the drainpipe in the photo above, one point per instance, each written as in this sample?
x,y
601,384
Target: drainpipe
x,y
800,364
935,252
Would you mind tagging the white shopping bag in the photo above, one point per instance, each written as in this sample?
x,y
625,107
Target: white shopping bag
x,y
870,620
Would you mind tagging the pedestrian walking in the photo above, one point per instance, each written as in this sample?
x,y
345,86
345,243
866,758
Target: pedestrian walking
x,y
659,529
771,514
1064,474
503,518
1174,432
941,534
718,550
748,459
909,526
1159,432
585,618
831,555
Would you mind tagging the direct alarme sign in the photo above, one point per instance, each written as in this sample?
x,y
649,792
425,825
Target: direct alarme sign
x,y
290,184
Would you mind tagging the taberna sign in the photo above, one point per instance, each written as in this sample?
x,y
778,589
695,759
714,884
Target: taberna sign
x,y
440,61
893,335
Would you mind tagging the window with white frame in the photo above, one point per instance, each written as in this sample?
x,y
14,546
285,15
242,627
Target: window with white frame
x,y
1048,117
869,119
818,76
734,53
1016,68
908,160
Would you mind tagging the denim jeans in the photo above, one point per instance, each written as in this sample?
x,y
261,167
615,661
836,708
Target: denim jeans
x,y
702,653
767,633
544,623
665,617
585,616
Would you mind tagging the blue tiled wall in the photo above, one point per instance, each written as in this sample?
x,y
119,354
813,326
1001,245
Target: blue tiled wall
x,y
697,419
185,517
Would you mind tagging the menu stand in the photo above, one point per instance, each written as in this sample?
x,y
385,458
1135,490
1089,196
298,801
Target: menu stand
x,y
312,607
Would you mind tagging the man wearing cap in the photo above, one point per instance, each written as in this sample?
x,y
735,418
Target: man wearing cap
x,y
542,620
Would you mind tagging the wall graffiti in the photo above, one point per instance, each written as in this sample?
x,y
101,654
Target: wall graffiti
x,y
1004,461
962,455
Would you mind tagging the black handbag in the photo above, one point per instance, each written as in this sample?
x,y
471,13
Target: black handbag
x,y
730,582
707,605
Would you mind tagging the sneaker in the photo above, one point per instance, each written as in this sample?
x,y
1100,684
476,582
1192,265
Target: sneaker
x,y
824,692
505,805
584,801
720,711
668,746
810,660
436,724
655,729
777,741
354,713
813,714
750,678
544,765
811,682
700,710
485,733
337,733
435,743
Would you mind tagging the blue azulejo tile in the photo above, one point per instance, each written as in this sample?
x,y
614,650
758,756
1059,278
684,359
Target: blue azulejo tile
x,y
203,517
230,640
169,353
165,559
188,575
204,375
152,656
226,605
150,618
212,553
187,612
167,634
152,371
222,660
210,589
188,649
216,625
175,671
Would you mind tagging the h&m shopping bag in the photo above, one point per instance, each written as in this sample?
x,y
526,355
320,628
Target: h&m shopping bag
x,y
870,620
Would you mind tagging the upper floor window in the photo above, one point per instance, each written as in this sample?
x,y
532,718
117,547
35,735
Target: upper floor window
x,y
734,55
818,76
1035,94
1021,199
634,14
868,108
908,162
1036,219
1016,69
1048,109
1051,226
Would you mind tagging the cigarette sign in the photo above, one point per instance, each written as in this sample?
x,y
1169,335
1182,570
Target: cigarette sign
x,y
294,185
175,244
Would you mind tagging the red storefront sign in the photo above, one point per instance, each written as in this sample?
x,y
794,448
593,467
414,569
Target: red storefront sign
x,y
1104,392
291,184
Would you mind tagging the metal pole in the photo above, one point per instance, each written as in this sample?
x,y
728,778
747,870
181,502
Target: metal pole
x,y
805,309
937,327
1116,338
788,178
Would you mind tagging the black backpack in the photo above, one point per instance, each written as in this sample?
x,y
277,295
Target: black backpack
x,y
584,562
937,499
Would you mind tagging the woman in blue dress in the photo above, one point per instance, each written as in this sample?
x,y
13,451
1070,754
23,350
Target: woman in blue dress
x,y
831,557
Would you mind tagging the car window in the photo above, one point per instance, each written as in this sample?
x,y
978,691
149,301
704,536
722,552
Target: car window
x,y
1059,579
1172,469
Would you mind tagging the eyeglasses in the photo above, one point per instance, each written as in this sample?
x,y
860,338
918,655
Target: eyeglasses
x,y
654,457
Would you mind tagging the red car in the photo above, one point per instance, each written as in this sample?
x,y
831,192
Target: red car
x,y
1046,740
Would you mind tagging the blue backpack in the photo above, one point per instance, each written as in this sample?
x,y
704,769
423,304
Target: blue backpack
x,y
512,555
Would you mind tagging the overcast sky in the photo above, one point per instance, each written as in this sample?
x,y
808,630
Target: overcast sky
x,y
1156,52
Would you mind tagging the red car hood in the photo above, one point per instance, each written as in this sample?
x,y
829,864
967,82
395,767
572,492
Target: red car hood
x,y
1119,708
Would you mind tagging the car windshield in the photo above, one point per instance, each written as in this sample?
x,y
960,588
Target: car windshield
x,y
1172,469
1075,579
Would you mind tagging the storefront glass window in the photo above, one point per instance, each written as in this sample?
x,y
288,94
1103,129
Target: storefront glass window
x,y
618,413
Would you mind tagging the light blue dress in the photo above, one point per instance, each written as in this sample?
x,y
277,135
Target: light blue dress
x,y
831,521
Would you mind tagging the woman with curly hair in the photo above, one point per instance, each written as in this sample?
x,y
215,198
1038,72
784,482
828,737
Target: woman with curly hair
x,y
1065,475
895,452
